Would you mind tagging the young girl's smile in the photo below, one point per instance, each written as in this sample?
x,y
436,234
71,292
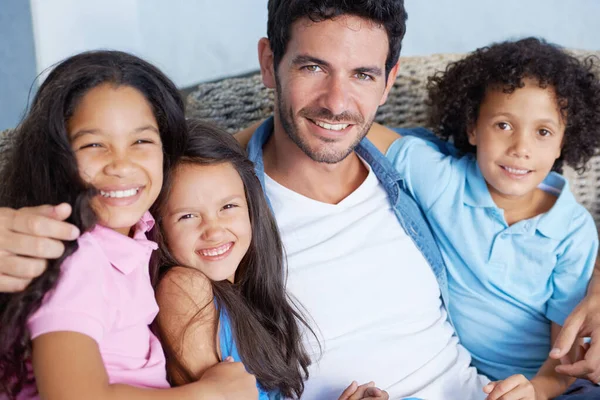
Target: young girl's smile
x,y
206,223
118,148
518,137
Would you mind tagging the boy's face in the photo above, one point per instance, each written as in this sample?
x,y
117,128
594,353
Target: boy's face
x,y
518,137
330,82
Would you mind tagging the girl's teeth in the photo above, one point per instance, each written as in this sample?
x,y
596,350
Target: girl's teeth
x,y
216,251
332,127
119,193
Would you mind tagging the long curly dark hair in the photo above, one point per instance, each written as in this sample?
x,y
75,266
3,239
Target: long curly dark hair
x,y
454,96
41,168
264,320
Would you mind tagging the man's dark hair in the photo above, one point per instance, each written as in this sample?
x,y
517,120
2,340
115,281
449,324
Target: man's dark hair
x,y
388,13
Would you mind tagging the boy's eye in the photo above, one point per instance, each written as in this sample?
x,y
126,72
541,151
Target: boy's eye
x,y
143,141
544,132
503,125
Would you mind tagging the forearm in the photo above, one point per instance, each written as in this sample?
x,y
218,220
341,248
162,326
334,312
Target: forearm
x,y
548,383
196,391
594,285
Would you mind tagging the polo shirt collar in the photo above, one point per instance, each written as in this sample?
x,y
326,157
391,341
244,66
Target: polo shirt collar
x,y
123,252
553,223
476,193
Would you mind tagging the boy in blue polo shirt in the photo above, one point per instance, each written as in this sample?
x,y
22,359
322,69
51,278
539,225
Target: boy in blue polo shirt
x,y
519,249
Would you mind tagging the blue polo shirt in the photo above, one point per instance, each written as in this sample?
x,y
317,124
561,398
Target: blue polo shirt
x,y
506,283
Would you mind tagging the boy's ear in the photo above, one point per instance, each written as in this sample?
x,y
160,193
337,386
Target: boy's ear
x,y
471,134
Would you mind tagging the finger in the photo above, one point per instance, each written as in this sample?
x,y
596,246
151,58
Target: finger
x,y
592,355
31,246
10,284
39,224
578,369
505,386
489,387
568,334
349,391
360,391
228,359
59,212
21,267
373,392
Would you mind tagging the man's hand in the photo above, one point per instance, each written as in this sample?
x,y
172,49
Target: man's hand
x,y
368,391
584,321
28,238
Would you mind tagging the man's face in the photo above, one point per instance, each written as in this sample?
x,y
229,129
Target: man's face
x,y
329,84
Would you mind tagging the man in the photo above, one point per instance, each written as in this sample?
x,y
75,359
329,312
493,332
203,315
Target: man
x,y
361,258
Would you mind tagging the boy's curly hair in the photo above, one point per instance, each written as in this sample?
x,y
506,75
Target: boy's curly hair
x,y
454,96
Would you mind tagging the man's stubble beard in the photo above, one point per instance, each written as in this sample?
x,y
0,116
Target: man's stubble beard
x,y
286,117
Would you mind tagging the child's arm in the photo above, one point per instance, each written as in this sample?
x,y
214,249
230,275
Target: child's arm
x,y
546,384
68,365
187,322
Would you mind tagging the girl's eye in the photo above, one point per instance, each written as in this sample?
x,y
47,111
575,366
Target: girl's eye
x,y
91,146
229,206
503,125
143,141
186,216
544,132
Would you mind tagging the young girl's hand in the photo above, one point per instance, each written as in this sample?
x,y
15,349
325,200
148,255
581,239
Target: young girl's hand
x,y
367,391
515,387
229,380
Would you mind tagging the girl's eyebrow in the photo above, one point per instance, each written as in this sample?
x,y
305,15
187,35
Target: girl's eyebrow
x,y
224,200
84,132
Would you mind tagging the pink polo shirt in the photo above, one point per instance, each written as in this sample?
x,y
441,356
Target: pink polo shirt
x,y
104,292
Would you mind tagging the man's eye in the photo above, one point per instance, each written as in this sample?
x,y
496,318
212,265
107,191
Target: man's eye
x,y
312,68
363,77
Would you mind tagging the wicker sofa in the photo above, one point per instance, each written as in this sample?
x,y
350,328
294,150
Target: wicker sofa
x,y
234,103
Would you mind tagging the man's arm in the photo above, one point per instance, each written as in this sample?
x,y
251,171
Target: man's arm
x,y
244,136
28,238
584,321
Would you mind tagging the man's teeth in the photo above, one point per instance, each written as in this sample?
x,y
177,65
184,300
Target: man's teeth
x,y
516,171
119,193
332,127
216,251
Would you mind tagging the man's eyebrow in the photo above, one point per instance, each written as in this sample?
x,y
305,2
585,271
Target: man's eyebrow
x,y
306,59
375,71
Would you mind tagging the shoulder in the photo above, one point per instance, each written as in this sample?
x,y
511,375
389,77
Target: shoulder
x,y
183,289
382,137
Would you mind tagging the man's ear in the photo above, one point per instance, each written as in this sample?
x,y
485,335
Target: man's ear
x,y
267,63
390,82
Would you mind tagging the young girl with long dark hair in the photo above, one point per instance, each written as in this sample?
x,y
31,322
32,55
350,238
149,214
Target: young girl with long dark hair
x,y
222,290
102,129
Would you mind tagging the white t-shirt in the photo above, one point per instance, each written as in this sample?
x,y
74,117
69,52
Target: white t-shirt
x,y
371,298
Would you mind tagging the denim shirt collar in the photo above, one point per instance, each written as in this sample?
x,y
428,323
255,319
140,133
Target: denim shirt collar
x,y
406,209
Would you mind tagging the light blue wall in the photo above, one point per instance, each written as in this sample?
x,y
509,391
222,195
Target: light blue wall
x,y
200,40
458,26
17,60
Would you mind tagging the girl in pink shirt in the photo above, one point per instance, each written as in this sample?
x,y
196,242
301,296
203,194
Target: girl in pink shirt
x,y
102,129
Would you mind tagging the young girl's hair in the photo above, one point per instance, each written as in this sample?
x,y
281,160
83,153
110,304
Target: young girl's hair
x,y
455,95
42,169
263,318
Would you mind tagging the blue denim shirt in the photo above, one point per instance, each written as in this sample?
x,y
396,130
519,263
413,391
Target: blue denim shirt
x,y
407,211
